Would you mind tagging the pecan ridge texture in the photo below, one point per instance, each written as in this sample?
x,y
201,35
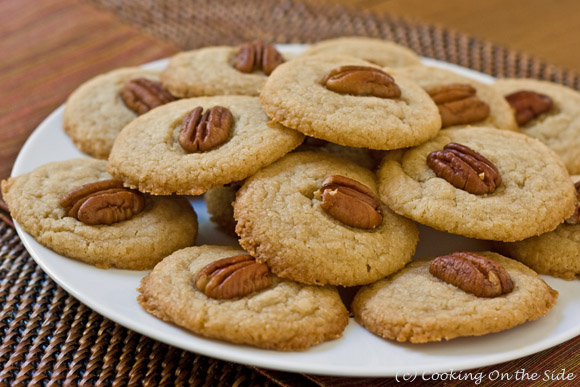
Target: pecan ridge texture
x,y
472,273
233,277
458,104
103,203
465,169
351,202
202,131
142,95
361,81
257,55
528,105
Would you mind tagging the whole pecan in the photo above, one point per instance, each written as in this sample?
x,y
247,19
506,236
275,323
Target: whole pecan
x,y
103,202
142,95
575,217
458,104
465,169
472,273
529,105
201,131
361,80
350,202
257,56
233,277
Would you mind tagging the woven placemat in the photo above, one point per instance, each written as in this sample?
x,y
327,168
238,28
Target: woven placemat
x,y
49,338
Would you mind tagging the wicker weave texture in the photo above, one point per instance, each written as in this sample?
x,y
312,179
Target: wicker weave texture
x,y
196,23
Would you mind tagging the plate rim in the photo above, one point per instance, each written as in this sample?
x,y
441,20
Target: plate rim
x,y
213,346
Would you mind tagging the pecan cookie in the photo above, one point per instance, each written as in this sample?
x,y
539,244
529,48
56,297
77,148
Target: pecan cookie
x,y
462,100
315,218
481,183
263,311
222,70
103,225
189,146
368,158
548,112
555,253
377,51
95,112
351,102
416,306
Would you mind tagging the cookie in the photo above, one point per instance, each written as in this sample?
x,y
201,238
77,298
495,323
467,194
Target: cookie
x,y
417,307
295,96
558,128
500,113
368,158
535,194
209,71
148,155
163,226
282,222
286,316
376,51
555,253
95,113
219,205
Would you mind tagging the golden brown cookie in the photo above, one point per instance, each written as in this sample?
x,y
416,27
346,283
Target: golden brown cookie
x,y
163,226
432,78
377,51
148,154
95,113
285,316
534,196
283,220
414,305
558,128
210,71
555,253
295,95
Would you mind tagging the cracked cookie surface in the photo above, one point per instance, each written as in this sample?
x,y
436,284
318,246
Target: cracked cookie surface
x,y
136,244
415,306
535,195
294,96
287,316
95,113
500,112
559,128
148,156
282,223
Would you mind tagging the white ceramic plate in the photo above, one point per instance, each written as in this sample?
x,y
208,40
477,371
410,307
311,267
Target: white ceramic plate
x,y
113,294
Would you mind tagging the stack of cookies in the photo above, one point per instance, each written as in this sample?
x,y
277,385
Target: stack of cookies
x,y
322,165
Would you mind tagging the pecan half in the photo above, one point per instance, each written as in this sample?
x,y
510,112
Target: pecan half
x,y
575,217
465,169
361,80
529,105
103,202
201,131
233,277
472,273
257,56
458,104
350,202
142,95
